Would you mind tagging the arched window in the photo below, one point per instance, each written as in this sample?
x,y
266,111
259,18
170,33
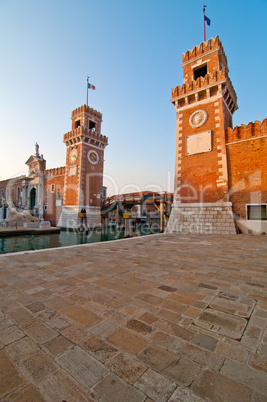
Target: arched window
x,y
7,194
18,193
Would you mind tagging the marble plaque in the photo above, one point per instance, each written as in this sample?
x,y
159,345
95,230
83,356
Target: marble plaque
x,y
199,143
73,170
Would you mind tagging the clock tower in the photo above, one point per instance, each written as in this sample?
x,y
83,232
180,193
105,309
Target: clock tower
x,y
204,107
84,169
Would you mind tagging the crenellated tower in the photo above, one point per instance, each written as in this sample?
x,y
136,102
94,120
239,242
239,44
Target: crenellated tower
x,y
84,168
204,105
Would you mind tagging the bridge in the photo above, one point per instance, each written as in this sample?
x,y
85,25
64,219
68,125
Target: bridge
x,y
123,203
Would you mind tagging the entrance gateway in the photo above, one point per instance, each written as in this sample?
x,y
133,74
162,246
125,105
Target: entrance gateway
x,y
204,107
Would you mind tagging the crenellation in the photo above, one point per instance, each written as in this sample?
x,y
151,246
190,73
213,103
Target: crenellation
x,y
245,132
202,48
200,82
55,171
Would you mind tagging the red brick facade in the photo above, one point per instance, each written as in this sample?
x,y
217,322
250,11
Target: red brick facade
x,y
214,162
247,165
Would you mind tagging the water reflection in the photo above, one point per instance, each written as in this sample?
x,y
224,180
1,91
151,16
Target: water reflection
x,y
14,244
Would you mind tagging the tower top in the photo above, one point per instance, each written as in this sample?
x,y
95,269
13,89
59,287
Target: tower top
x,y
205,69
209,46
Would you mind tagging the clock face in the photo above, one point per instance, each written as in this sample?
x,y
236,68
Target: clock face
x,y
93,157
73,155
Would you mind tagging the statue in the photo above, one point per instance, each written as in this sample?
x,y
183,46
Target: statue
x,y
24,216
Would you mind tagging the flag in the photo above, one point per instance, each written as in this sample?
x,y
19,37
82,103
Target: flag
x,y
207,20
90,86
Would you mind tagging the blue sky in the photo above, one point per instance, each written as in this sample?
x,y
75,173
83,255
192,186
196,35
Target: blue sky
x,y
132,51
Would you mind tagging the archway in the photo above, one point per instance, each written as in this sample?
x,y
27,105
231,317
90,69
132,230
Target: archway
x,y
32,198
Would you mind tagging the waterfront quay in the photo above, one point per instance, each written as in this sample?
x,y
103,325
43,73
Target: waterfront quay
x,y
166,317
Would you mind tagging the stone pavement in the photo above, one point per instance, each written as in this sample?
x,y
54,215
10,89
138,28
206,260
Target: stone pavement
x,y
160,318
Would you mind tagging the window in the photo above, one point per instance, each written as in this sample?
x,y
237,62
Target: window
x,y
77,123
18,193
7,194
52,188
200,72
45,207
91,125
2,193
257,212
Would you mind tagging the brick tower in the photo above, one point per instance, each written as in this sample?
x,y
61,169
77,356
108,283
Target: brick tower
x,y
84,168
204,107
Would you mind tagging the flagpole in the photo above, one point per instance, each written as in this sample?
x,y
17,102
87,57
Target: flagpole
x,y
204,23
87,91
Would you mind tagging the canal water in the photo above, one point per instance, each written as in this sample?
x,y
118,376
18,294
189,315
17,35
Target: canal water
x,y
12,244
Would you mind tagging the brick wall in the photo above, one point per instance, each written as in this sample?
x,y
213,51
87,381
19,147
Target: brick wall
x,y
54,177
247,165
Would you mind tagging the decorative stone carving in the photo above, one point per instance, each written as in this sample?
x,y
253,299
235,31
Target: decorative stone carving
x,y
198,118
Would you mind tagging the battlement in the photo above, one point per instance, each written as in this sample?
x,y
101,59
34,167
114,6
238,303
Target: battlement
x,y
245,132
82,132
204,47
55,171
201,82
86,109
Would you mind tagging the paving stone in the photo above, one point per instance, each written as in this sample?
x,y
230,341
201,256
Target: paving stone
x,y
36,307
156,301
148,318
222,323
62,387
233,304
232,351
41,333
104,328
182,371
138,326
22,349
157,357
36,289
213,386
245,375
21,316
57,345
169,315
81,316
127,340
75,333
206,342
59,323
184,395
174,329
126,367
174,306
167,288
29,393
100,349
115,316
10,377
10,334
167,341
257,397
192,312
5,322
112,389
59,302
83,367
39,366
155,386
